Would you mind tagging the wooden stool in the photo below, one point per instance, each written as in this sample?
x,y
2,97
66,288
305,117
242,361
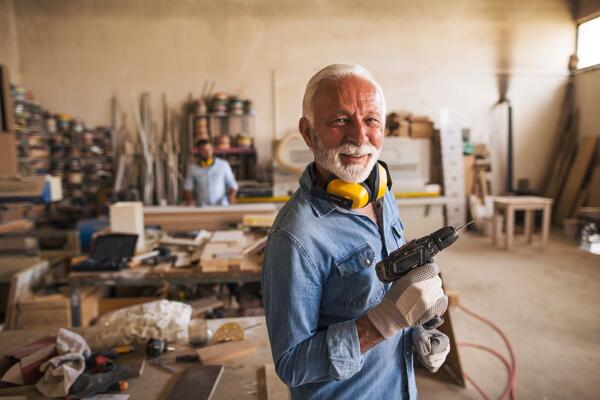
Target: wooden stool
x,y
508,205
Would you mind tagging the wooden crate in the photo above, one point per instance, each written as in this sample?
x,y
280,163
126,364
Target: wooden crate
x,y
54,311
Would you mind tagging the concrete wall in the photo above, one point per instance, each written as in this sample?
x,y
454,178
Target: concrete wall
x,y
9,51
76,54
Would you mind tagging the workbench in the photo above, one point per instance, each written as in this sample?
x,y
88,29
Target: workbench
x,y
149,276
243,378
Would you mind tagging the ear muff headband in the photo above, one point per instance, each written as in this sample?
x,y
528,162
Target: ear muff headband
x,y
358,193
382,187
207,163
361,194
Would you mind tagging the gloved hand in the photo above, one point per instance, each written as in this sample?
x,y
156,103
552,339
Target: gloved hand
x,y
412,300
431,346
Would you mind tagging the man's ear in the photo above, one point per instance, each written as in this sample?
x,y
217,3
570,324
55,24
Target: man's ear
x,y
305,130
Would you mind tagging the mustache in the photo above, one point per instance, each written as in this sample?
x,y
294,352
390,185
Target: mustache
x,y
350,149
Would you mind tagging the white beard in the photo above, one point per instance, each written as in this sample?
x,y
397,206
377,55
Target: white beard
x,y
331,161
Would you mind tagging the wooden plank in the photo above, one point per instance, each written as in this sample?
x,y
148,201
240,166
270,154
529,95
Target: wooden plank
x,y
576,177
178,218
197,383
106,305
594,196
8,154
15,226
275,388
21,285
219,353
564,145
7,124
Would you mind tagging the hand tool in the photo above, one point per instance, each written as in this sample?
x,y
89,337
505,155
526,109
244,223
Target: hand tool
x,y
88,385
154,347
416,253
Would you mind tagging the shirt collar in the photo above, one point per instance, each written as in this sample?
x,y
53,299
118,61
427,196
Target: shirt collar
x,y
320,206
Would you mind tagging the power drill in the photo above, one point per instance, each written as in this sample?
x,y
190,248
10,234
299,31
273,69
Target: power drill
x,y
414,254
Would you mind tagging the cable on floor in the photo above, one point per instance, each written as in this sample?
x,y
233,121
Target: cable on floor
x,y
511,366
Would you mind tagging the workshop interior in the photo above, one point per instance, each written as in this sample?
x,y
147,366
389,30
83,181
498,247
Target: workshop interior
x,y
165,203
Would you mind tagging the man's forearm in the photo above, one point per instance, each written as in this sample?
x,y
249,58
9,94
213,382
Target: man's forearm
x,y
189,198
231,195
368,335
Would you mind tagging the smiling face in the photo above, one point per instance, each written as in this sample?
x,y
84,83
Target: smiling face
x,y
347,127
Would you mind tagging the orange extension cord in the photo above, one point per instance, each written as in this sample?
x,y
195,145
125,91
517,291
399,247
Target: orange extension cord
x,y
511,366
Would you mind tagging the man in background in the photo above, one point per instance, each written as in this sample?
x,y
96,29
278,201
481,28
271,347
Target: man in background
x,y
210,180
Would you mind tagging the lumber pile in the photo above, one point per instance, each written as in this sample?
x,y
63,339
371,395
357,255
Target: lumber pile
x,y
232,251
581,182
573,177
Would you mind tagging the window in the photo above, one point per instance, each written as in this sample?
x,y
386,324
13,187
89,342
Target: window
x,y
588,43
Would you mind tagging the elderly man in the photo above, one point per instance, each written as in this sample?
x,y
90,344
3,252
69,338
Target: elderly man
x,y
211,179
336,331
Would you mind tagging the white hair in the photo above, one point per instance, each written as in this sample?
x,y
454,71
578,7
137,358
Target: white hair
x,y
336,72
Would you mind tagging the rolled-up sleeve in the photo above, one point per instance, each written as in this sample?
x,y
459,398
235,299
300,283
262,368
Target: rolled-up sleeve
x,y
292,285
230,182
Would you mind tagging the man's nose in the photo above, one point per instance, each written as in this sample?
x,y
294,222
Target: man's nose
x,y
357,133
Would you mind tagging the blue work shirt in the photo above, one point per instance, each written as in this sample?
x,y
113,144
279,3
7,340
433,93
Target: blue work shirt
x,y
210,184
318,279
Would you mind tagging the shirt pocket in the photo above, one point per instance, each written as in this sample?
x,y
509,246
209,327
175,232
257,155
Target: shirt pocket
x,y
398,232
360,286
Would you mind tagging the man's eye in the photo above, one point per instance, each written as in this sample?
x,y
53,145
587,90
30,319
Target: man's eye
x,y
339,121
372,121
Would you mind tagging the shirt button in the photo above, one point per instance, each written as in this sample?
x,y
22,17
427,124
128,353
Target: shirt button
x,y
368,261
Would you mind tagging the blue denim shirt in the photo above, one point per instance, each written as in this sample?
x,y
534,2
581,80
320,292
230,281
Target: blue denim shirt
x,y
211,184
318,279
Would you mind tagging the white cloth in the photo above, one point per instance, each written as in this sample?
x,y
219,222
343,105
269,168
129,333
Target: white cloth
x,y
60,372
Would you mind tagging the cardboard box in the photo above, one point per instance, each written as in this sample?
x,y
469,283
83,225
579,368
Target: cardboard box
x,y
421,129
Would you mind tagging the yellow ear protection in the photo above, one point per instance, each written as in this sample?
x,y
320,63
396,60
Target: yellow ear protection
x,y
358,195
206,163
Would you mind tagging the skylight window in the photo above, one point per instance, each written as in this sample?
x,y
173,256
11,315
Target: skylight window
x,y
588,43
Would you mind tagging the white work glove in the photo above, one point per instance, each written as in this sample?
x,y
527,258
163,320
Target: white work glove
x,y
431,346
412,300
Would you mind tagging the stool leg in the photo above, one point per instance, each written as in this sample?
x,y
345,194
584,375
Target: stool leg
x,y
495,226
546,214
529,214
510,226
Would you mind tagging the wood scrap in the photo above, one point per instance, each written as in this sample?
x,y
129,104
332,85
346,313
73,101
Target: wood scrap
x,y
594,196
22,284
565,144
15,226
258,220
233,236
197,383
219,353
202,306
255,246
576,176
275,388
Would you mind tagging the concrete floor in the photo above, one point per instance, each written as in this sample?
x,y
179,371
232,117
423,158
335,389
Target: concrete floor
x,y
546,301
